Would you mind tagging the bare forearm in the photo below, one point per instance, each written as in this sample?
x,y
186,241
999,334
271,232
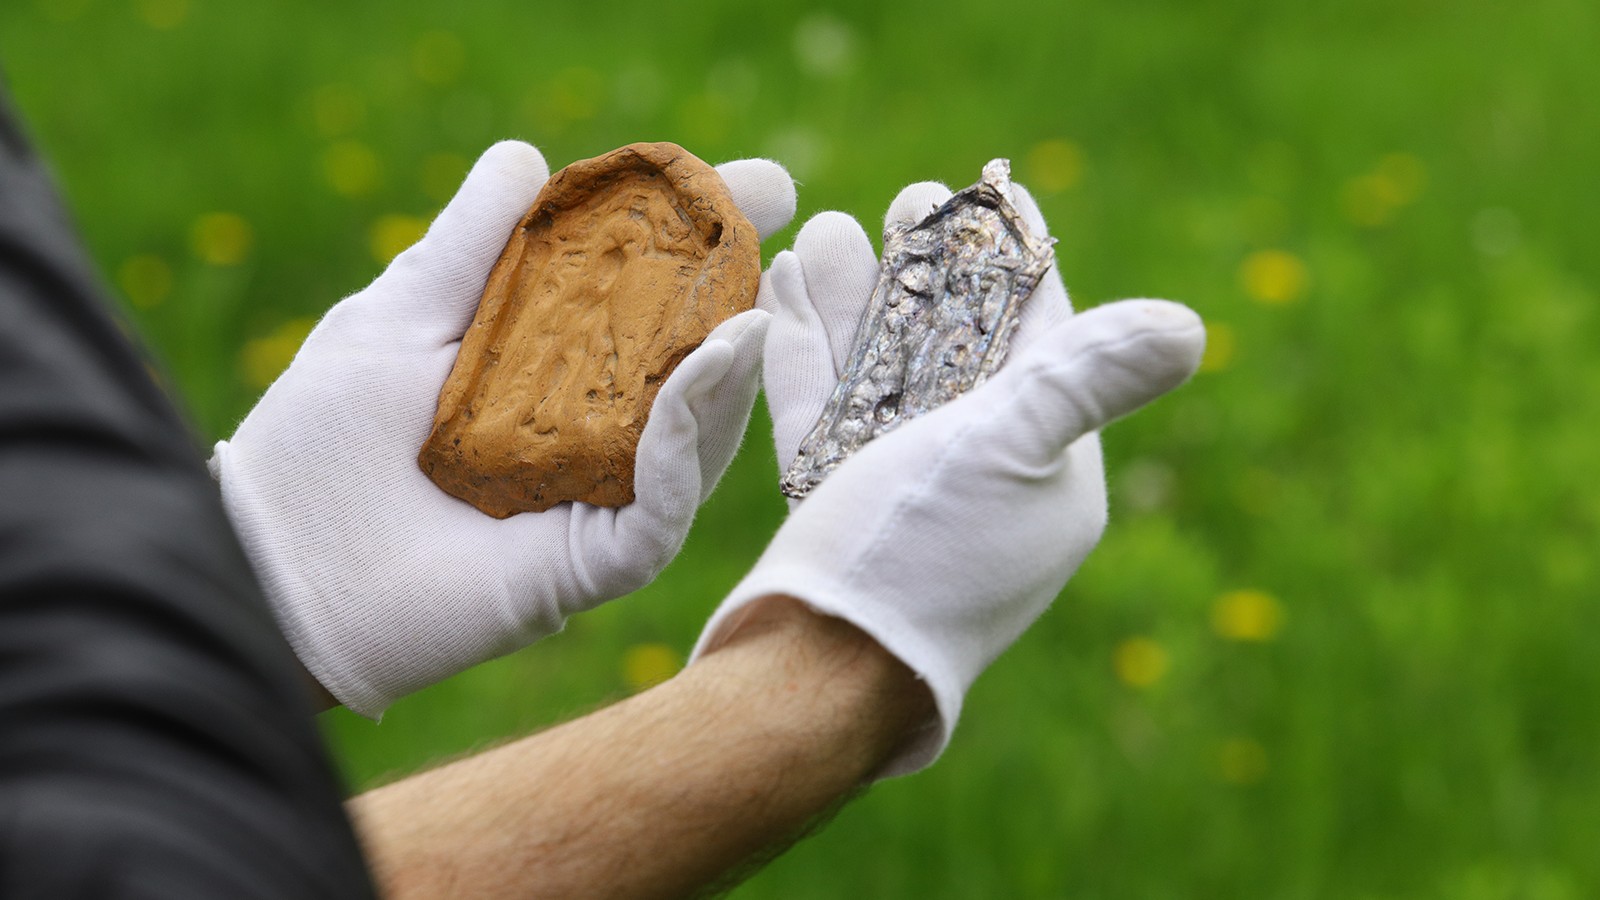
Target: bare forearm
x,y
666,792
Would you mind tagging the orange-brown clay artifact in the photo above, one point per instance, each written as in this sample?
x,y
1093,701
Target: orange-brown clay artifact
x,y
621,268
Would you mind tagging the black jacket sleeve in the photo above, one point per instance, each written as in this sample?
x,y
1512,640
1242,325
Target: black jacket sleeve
x,y
155,740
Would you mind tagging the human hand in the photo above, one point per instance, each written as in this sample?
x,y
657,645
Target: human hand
x,y
946,538
382,582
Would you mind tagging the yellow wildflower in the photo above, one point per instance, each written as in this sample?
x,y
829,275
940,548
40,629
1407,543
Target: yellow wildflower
x,y
337,109
1220,343
442,174
221,238
146,279
393,233
646,665
163,15
1274,277
1054,165
1139,661
1371,199
351,168
264,358
1246,615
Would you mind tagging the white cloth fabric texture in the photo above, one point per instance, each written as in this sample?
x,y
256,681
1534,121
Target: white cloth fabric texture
x,y
946,538
382,582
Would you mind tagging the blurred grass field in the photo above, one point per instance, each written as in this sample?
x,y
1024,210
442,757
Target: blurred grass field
x,y
1340,638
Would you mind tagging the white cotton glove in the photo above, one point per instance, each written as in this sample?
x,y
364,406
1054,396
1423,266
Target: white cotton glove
x,y
946,538
384,583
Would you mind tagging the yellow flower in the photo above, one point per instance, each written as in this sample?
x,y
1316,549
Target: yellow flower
x,y
1246,616
394,233
442,174
163,14
1371,199
1404,176
62,10
1219,347
1054,165
646,665
337,109
438,57
1242,761
351,168
1139,661
221,239
1365,202
1274,277
146,279
264,358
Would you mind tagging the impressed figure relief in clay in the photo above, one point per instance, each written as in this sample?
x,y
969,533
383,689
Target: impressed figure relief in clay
x,y
621,268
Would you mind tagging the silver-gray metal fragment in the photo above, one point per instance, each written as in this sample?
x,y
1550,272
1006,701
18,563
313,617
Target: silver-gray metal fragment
x,y
950,289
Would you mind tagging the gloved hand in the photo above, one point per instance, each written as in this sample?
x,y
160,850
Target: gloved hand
x,y
384,583
946,538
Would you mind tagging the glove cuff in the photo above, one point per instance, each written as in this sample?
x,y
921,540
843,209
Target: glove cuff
x,y
830,597
351,691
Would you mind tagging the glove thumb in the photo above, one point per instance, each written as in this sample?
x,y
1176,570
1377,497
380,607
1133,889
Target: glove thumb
x,y
1095,367
440,278
692,434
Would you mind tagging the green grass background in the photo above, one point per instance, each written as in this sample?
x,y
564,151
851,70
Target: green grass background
x,y
1385,212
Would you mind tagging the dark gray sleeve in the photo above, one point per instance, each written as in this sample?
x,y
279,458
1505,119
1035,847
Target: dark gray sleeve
x,y
155,740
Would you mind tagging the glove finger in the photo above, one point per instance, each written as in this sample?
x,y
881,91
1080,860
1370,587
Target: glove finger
x,y
1093,368
666,469
766,300
799,366
697,420
723,413
763,191
614,551
440,278
668,472
914,202
840,273
1049,304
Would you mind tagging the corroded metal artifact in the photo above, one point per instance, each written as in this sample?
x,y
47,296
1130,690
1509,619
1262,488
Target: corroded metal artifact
x,y
950,289
621,268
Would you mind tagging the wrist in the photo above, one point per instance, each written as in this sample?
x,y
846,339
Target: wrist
x,y
847,689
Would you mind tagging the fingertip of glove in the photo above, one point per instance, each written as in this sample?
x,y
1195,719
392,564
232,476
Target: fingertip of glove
x,y
1028,208
834,238
766,300
214,464
1159,340
788,283
763,191
514,160
742,328
914,202
1173,334
703,368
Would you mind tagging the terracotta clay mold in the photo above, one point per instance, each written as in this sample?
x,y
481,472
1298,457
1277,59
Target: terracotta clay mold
x,y
621,268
